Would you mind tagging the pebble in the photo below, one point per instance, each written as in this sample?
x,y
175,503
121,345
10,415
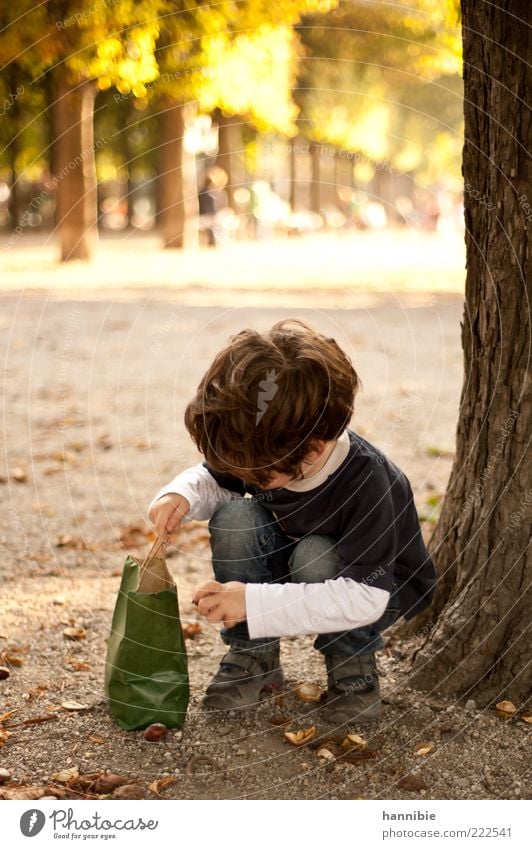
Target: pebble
x,y
5,775
241,752
168,756
471,704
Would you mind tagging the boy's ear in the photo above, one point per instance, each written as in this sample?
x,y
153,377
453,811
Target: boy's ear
x,y
316,447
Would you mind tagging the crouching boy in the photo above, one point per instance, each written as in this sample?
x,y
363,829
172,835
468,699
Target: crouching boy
x,y
313,529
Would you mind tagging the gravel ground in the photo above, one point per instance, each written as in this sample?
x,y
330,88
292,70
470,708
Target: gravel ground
x,y
95,391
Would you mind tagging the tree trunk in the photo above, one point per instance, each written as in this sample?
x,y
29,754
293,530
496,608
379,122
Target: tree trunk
x,y
293,174
230,154
178,196
478,645
75,174
315,187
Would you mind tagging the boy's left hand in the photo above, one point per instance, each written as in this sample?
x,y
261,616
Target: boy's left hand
x,y
222,602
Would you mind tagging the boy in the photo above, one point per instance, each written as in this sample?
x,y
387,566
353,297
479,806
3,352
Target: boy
x,y
313,530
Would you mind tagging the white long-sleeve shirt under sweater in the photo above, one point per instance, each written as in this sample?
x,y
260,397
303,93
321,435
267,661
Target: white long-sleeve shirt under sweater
x,y
361,499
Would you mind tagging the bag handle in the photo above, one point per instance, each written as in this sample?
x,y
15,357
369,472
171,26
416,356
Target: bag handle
x,y
158,548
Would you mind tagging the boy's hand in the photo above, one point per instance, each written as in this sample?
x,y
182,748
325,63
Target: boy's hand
x,y
167,513
222,602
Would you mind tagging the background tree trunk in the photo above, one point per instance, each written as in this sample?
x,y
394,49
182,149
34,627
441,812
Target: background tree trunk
x,y
479,645
315,174
230,154
76,201
178,194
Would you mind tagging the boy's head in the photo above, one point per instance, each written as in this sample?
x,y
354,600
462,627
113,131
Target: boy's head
x,y
271,399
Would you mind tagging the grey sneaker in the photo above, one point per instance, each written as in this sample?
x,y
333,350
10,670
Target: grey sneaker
x,y
241,678
353,692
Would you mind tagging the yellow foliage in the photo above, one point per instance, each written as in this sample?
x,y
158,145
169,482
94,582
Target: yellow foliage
x,y
252,75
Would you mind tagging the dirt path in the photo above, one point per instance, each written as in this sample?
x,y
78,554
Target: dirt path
x,y
95,392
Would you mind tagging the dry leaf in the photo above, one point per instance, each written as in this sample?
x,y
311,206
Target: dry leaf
x,y
192,630
423,749
129,791
78,665
108,782
74,633
354,742
74,706
4,736
299,738
66,775
99,741
18,474
326,754
308,692
527,719
7,715
161,784
20,793
505,709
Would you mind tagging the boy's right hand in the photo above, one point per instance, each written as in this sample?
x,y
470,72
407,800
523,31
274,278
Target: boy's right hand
x,y
167,513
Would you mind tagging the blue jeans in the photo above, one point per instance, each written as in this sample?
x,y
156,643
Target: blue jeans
x,y
248,545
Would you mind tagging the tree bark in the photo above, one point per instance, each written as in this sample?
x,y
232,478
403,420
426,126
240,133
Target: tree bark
x,y
230,154
293,174
315,187
478,643
75,170
178,197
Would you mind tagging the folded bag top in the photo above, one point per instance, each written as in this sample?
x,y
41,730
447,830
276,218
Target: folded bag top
x,y
146,671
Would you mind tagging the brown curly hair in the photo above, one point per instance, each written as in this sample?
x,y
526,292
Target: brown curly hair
x,y
268,397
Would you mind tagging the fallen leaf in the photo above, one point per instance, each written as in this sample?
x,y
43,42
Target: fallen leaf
x,y
308,692
527,719
193,629
66,775
326,754
74,633
412,782
7,715
74,706
423,749
20,793
129,791
161,784
108,782
78,665
4,736
299,738
18,474
505,709
99,741
354,742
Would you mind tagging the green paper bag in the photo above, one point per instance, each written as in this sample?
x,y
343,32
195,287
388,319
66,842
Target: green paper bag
x,y
146,672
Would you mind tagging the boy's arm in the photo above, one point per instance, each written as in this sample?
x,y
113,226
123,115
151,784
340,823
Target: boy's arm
x,y
201,490
339,604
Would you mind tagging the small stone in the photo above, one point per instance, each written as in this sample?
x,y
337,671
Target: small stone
x,y
168,756
178,735
471,704
5,776
240,752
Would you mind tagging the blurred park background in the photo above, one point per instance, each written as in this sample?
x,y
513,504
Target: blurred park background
x,y
199,126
